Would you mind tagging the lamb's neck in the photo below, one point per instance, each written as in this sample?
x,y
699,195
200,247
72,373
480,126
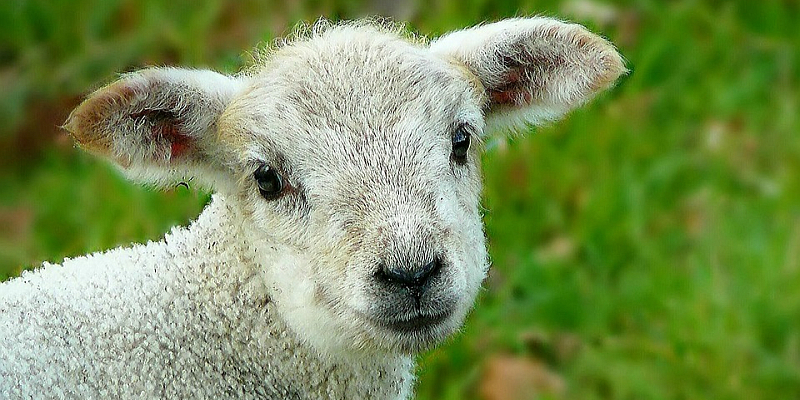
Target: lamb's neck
x,y
228,272
216,250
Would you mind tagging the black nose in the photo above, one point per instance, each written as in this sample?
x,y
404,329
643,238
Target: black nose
x,y
414,277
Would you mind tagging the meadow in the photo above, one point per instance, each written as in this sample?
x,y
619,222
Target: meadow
x,y
646,247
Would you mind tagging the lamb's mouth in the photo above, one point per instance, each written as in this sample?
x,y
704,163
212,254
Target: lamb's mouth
x,y
416,324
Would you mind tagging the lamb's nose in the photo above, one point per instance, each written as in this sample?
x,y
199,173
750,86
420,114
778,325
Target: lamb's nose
x,y
412,277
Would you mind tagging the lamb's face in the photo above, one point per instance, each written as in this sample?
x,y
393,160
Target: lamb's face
x,y
352,158
375,220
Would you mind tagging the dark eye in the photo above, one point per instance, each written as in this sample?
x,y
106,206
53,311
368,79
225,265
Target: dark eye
x,y
460,144
270,182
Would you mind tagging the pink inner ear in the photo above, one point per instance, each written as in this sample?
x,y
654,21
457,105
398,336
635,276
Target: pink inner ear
x,y
513,91
165,125
180,142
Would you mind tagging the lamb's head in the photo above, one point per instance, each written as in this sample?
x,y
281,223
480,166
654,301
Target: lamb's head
x,y
352,159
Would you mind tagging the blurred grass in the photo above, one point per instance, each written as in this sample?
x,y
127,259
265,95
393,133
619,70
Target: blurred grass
x,y
647,247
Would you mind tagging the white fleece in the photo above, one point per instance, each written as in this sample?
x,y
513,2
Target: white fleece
x,y
185,317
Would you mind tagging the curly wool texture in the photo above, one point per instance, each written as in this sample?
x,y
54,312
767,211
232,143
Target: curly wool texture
x,y
180,318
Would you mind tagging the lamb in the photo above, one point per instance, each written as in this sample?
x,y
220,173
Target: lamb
x,y
345,233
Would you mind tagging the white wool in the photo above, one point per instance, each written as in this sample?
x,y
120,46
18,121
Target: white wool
x,y
179,318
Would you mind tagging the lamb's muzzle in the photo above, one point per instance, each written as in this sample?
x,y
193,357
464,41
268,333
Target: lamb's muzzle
x,y
415,278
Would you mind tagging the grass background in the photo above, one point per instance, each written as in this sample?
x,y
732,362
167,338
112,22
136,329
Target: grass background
x,y
647,247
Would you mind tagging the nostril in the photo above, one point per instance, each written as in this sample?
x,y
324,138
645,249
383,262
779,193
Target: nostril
x,y
410,276
427,270
394,275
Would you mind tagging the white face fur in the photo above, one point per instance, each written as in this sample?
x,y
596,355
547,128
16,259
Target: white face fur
x,y
352,157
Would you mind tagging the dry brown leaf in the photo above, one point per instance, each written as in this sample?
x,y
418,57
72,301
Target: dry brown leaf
x,y
508,377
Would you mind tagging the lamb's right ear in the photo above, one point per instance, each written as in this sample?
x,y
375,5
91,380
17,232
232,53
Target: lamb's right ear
x,y
533,70
159,124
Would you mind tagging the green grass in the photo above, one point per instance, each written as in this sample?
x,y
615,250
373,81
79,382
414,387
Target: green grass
x,y
647,247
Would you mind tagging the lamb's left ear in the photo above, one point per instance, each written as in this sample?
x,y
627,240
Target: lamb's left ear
x,y
533,70
159,124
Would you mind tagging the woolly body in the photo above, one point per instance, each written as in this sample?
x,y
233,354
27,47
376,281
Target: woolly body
x,y
186,317
346,234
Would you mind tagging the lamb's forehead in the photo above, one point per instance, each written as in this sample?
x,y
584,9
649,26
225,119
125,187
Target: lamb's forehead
x,y
356,61
352,85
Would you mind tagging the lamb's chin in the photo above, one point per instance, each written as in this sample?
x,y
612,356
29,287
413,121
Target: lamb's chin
x,y
409,335
413,339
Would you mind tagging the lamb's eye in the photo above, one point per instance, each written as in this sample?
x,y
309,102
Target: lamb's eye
x,y
270,182
460,144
